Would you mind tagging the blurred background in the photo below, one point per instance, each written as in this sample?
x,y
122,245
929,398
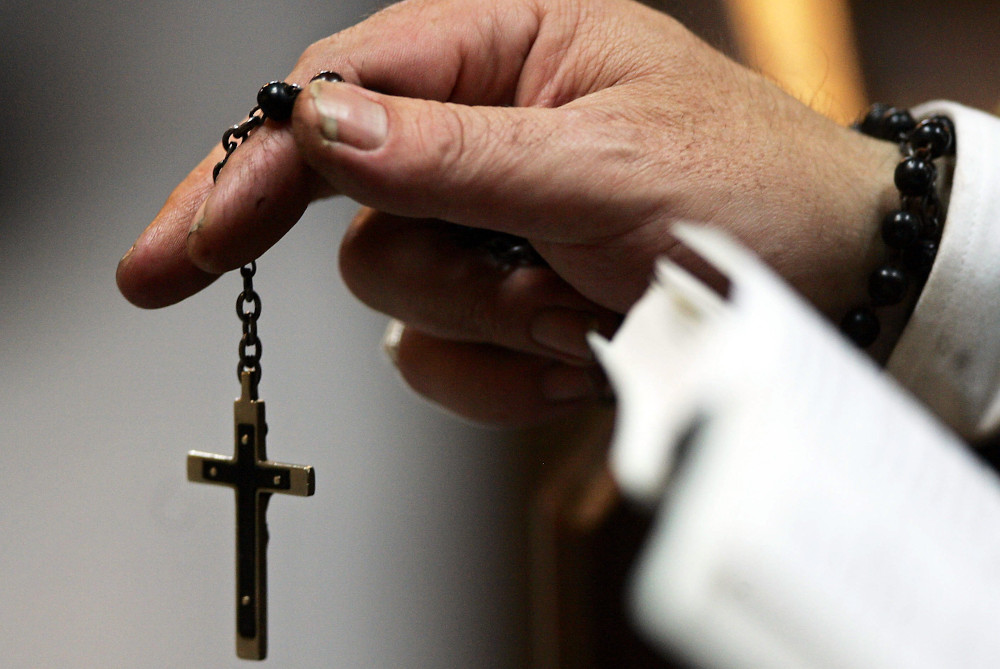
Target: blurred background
x,y
415,551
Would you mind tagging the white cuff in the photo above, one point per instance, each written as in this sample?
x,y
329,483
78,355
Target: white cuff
x,y
949,353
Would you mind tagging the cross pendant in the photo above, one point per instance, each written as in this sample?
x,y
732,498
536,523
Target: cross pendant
x,y
253,478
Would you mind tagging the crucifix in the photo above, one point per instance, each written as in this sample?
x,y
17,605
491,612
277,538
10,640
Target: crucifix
x,y
253,478
249,473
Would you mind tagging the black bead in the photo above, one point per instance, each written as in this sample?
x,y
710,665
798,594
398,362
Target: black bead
x,y
919,258
900,229
897,124
950,129
887,285
915,177
327,75
277,99
861,326
933,136
871,124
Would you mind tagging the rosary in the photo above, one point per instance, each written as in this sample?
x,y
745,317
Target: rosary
x,y
252,476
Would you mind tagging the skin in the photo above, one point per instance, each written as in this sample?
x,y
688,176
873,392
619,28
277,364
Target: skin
x,y
589,127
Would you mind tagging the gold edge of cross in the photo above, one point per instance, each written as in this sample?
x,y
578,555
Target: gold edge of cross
x,y
253,478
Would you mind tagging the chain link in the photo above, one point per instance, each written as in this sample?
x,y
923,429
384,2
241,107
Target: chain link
x,y
234,136
250,348
248,302
248,309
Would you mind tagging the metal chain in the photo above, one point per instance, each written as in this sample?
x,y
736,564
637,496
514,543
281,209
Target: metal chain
x,y
250,344
248,310
275,100
234,136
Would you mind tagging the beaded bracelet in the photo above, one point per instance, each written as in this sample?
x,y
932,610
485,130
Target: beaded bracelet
x,y
913,231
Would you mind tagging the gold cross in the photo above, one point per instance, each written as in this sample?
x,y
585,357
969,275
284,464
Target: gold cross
x,y
253,478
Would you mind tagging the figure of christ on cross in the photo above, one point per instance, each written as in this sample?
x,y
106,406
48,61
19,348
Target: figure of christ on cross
x,y
253,478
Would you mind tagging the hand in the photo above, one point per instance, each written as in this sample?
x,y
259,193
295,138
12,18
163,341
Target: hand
x,y
588,127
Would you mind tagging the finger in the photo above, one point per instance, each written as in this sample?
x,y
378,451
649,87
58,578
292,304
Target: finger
x,y
489,384
425,273
474,52
470,51
160,270
266,186
156,270
260,194
498,168
430,48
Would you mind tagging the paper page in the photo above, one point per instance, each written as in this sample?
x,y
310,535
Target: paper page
x,y
821,518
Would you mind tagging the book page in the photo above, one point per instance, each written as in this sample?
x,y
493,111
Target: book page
x,y
819,517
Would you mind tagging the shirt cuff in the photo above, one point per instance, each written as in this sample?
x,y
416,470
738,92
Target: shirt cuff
x,y
949,352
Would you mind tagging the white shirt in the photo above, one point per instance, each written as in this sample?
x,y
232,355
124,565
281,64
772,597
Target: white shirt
x,y
949,352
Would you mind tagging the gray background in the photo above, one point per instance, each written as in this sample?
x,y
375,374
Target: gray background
x,y
408,555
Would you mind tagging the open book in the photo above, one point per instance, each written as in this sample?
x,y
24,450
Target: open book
x,y
810,513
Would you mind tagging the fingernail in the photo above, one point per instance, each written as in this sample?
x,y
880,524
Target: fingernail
x,y
390,340
123,265
562,383
348,117
128,254
564,331
199,220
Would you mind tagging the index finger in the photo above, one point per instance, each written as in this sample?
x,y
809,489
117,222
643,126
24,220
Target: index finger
x,y
434,49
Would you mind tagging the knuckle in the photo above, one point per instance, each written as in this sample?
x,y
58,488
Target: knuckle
x,y
441,134
316,53
462,147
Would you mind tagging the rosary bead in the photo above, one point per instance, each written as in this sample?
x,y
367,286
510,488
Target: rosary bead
x,y
887,285
949,127
871,124
912,231
900,229
915,177
933,136
277,99
861,326
327,75
507,251
897,124
919,258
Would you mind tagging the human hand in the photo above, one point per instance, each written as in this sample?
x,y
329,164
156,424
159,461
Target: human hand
x,y
587,127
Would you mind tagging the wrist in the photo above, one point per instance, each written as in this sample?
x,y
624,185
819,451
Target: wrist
x,y
844,228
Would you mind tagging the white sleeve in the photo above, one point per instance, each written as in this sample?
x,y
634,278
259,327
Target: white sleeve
x,y
949,352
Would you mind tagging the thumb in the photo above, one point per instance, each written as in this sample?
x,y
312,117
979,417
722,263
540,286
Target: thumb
x,y
511,169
